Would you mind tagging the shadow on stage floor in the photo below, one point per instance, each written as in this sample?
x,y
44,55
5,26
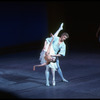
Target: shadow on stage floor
x,y
18,80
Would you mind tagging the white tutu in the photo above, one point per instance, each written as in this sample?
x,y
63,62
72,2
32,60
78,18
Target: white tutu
x,y
42,55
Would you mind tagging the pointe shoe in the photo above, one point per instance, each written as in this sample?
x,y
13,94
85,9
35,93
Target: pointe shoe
x,y
61,26
64,80
53,83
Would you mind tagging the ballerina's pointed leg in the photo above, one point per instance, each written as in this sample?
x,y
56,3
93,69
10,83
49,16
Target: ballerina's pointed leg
x,y
61,26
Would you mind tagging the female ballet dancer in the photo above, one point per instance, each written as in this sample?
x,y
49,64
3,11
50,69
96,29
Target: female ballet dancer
x,y
47,57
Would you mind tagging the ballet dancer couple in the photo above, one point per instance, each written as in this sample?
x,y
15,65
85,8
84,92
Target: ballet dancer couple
x,y
54,47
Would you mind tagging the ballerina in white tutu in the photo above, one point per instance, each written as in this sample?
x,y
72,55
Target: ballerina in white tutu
x,y
46,56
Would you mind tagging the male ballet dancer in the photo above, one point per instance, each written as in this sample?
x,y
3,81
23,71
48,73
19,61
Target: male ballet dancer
x,y
60,49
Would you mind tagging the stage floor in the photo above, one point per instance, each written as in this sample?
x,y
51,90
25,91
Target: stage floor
x,y
81,69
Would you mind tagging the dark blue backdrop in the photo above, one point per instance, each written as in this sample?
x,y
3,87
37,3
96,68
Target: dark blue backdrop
x,y
22,22
26,24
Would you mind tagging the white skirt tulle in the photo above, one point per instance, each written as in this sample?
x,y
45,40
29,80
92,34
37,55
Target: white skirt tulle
x,y
42,55
53,65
